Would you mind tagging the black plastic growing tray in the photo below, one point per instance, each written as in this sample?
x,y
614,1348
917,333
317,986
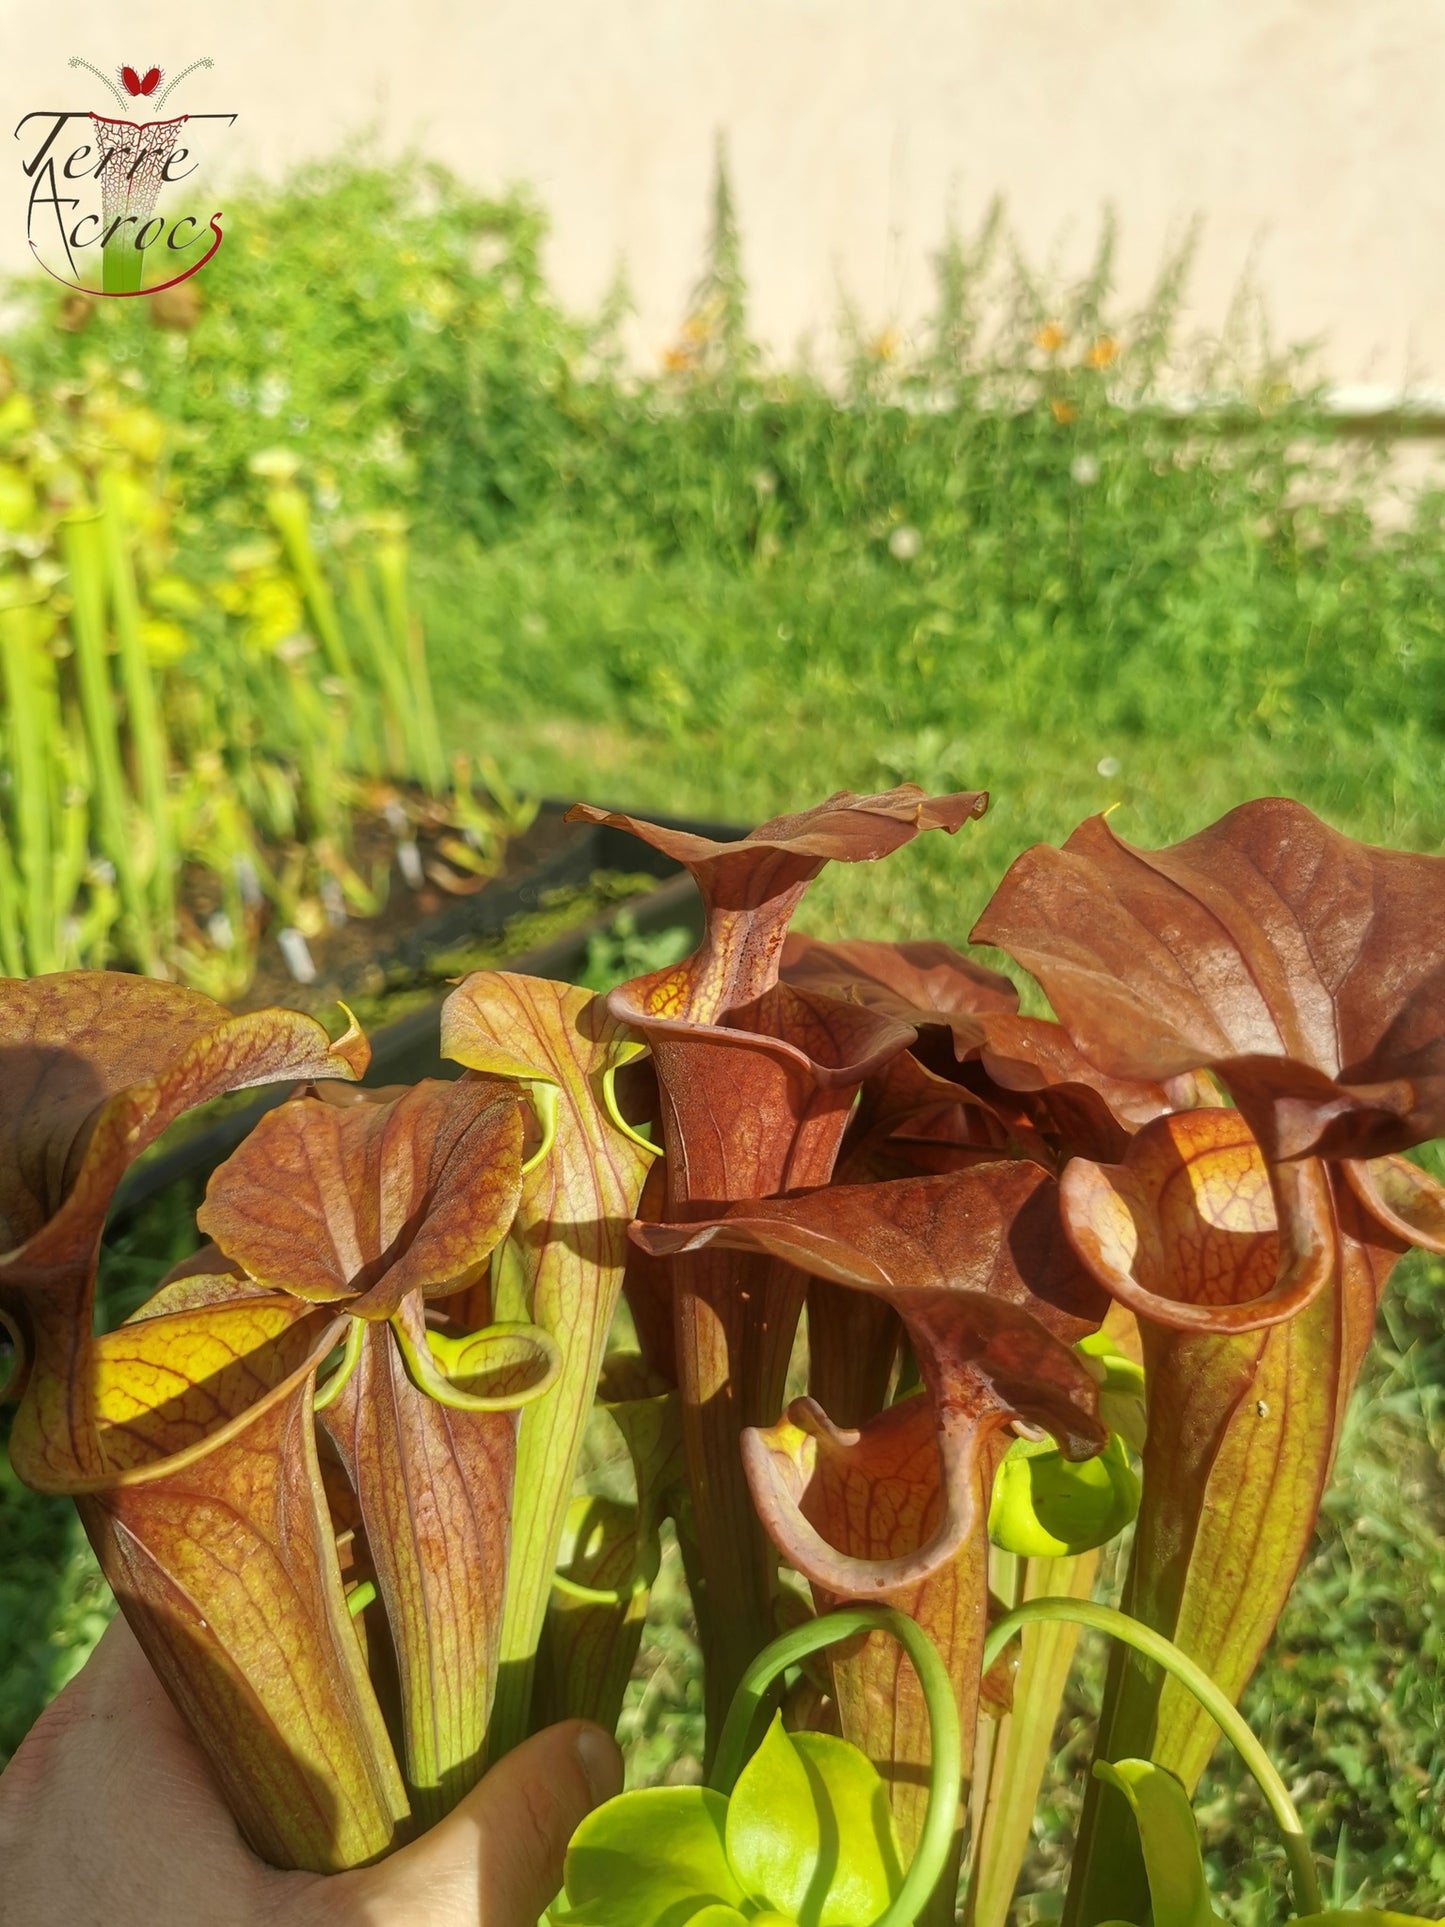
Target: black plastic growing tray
x,y
410,1048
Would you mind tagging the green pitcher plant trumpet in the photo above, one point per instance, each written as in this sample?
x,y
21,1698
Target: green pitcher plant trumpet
x,y
1045,1506
821,1267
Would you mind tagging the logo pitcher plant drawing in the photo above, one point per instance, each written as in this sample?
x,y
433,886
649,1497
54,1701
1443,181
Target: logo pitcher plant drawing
x,y
95,180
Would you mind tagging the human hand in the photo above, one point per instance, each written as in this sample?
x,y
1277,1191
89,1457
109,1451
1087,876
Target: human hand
x,y
109,1817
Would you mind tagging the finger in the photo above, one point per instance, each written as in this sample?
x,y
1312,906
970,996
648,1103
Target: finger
x,y
496,1861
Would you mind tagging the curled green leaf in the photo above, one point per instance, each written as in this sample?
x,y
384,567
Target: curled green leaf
x,y
1177,1887
1122,1404
498,1369
1044,1507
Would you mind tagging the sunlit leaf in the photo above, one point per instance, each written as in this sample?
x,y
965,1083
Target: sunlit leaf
x,y
434,1486
640,1859
977,1268
1195,1230
206,1277
700,1913
1242,1436
809,1832
1307,972
756,1081
751,888
96,1065
380,1205
1242,1440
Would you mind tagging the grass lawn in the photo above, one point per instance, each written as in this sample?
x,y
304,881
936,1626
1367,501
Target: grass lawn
x,y
690,686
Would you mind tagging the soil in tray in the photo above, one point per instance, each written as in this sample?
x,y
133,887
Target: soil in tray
x,y
346,949
436,919
384,992
380,991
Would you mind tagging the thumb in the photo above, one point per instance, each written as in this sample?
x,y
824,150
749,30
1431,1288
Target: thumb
x,y
496,1860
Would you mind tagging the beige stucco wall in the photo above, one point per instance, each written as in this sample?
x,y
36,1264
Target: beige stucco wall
x,y
1309,133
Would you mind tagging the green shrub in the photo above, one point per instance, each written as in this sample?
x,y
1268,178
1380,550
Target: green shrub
x,y
353,315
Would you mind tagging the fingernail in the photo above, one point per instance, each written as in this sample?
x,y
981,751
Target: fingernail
x,y
601,1763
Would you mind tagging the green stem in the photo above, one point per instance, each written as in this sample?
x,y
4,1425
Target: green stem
x,y
85,560
122,262
1106,1619
291,517
12,954
31,746
1013,1753
389,674
935,1844
71,857
581,1595
316,762
147,731
429,764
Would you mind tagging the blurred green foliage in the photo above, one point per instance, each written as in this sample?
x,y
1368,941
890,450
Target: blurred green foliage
x,y
390,327
167,708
